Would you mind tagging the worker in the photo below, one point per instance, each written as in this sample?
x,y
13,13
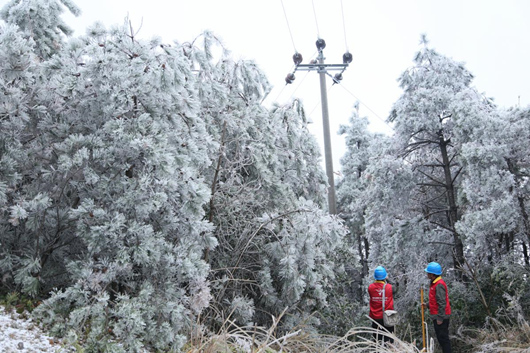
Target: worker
x,y
439,305
375,290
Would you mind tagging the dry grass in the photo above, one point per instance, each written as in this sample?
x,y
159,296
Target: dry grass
x,y
252,339
512,335
509,332
496,337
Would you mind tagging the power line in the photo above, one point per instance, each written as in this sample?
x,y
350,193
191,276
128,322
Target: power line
x,y
289,27
367,107
299,85
316,22
279,94
292,94
344,25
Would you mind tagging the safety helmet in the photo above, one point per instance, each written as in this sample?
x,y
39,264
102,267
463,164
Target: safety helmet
x,y
380,273
434,268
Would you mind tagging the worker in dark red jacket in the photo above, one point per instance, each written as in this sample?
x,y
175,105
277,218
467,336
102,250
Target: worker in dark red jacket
x,y
375,290
439,305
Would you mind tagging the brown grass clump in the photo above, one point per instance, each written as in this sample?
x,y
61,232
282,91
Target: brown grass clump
x,y
508,332
496,337
253,339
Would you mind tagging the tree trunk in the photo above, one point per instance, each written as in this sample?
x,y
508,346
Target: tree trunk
x,y
524,214
362,262
458,254
366,255
525,254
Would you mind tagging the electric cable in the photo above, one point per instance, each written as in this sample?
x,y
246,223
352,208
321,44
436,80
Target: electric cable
x,y
344,25
299,84
367,107
279,94
316,22
289,27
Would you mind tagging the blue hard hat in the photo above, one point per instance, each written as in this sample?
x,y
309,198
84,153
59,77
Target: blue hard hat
x,y
434,268
380,273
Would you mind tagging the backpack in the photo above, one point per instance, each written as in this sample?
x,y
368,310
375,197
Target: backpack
x,y
390,317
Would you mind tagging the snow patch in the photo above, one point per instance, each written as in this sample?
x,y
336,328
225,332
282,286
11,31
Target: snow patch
x,y
22,335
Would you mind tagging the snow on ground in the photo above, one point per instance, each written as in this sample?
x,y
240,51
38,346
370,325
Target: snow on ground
x,y
21,335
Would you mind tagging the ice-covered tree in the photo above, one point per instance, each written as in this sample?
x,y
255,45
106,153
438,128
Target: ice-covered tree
x,y
41,21
411,201
428,124
135,159
110,205
496,195
267,191
18,78
352,187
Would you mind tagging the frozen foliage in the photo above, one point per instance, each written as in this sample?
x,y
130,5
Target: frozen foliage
x,y
432,121
110,194
41,21
496,188
449,186
142,183
267,192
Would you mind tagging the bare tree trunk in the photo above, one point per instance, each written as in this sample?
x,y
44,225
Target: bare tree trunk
x,y
458,255
525,254
362,263
524,214
366,255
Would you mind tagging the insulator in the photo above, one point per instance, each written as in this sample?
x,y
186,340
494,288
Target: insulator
x,y
347,58
337,78
297,58
289,78
321,44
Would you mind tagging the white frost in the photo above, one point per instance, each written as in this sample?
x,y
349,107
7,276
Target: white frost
x,y
22,335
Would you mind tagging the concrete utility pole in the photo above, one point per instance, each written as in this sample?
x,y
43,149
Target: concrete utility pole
x,y
322,69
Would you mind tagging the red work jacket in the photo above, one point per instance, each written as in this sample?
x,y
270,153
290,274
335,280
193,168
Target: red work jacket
x,y
433,304
375,290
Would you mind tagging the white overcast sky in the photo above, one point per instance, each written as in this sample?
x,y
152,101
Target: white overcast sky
x,y
491,37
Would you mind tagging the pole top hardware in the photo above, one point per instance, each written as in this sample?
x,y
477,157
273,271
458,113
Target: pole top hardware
x,y
337,78
319,65
289,78
321,44
347,58
297,58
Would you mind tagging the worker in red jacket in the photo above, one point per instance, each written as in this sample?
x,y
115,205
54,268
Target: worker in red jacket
x,y
439,305
375,290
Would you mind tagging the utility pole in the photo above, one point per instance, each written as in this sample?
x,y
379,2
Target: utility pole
x,y
323,69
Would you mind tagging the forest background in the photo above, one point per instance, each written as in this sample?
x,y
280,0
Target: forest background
x,y
149,199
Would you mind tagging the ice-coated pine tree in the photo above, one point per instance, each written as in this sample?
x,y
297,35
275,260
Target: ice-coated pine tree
x,y
352,187
41,21
147,195
104,198
267,193
18,77
144,182
447,187
496,193
378,208
425,119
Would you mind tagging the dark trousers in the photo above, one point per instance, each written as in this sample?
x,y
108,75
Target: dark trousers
x,y
381,336
442,333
